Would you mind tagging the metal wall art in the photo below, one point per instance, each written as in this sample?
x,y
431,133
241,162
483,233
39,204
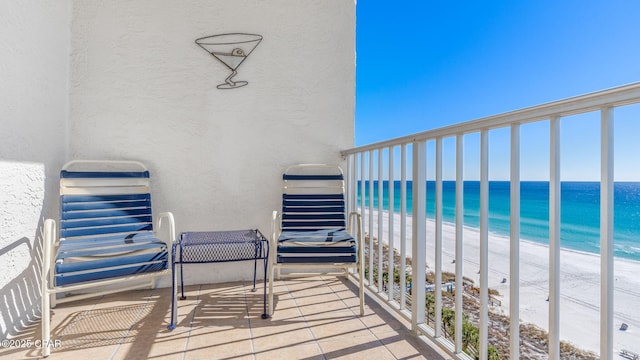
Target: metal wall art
x,y
231,50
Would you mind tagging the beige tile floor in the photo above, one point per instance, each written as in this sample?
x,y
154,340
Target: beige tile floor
x,y
315,318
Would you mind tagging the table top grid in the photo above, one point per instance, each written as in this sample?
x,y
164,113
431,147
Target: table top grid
x,y
213,237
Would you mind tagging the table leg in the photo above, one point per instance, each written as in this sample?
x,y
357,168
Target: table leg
x,y
172,324
255,267
182,297
265,315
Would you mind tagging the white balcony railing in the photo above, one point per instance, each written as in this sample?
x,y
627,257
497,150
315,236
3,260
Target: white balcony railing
x,y
364,172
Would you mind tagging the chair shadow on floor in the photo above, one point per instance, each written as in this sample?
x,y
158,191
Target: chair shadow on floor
x,y
315,319
102,324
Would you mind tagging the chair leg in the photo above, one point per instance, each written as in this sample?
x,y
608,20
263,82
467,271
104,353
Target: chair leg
x,y
48,297
361,280
271,268
174,297
255,269
361,292
46,314
52,296
265,315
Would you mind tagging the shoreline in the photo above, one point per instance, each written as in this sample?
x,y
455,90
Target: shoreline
x,y
497,234
579,281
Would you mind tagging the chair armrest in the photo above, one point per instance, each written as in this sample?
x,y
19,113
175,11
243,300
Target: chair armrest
x,y
359,236
275,233
166,218
358,224
275,227
49,245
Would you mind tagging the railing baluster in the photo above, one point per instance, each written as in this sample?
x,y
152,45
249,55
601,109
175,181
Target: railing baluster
x,y
459,240
371,218
380,219
514,294
362,190
554,239
390,276
418,243
606,234
438,241
403,225
484,245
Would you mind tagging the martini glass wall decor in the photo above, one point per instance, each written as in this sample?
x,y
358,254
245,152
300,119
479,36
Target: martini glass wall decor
x,y
231,50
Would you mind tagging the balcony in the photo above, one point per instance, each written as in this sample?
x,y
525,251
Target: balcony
x,y
313,320
130,82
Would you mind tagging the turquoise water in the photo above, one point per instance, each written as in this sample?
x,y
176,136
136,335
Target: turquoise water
x,y
580,211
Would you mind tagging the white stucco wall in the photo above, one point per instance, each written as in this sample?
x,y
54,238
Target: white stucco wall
x,y
34,43
125,80
140,88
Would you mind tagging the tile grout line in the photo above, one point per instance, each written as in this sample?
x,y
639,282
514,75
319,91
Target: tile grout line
x,y
404,323
246,307
74,323
193,314
138,317
304,318
360,319
350,307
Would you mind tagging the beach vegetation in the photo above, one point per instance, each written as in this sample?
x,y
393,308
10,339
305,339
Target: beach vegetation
x,y
430,303
534,343
492,353
448,320
470,336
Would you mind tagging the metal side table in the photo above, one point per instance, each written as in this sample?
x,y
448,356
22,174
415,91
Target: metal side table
x,y
218,246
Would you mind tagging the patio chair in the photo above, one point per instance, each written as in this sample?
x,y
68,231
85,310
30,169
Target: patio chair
x,y
106,235
313,233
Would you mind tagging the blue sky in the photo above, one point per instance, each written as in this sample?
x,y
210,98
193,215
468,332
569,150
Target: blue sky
x,y
426,64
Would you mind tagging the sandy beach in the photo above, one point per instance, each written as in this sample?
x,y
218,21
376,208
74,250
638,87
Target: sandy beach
x,y
579,287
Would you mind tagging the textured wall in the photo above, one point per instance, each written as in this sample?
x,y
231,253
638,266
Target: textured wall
x,y
34,60
140,88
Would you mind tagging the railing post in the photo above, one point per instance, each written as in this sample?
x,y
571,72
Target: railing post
x,y
554,239
459,240
418,244
606,234
484,244
514,294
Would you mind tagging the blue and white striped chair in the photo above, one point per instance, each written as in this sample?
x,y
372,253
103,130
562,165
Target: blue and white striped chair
x,y
106,234
313,230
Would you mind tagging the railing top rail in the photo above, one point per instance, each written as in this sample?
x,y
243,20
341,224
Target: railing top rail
x,y
618,96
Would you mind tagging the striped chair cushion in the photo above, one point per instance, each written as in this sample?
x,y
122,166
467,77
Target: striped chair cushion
x,y
106,227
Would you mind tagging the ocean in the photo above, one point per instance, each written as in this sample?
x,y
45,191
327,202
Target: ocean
x,y
580,211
